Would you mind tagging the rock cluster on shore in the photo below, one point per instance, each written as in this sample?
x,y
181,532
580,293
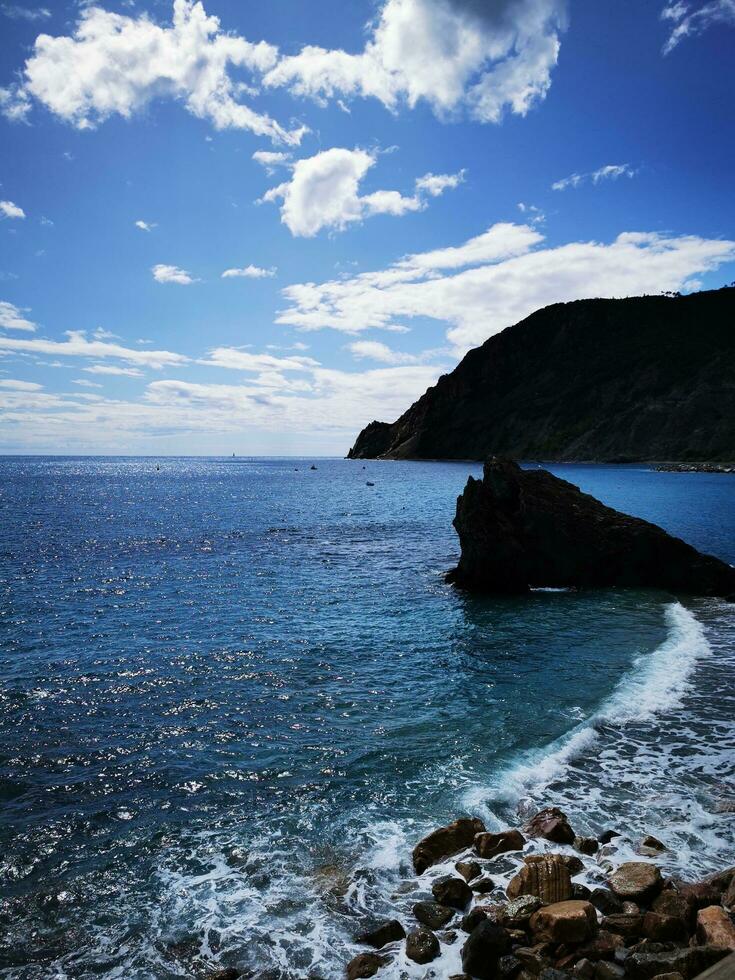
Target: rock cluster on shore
x,y
521,529
635,925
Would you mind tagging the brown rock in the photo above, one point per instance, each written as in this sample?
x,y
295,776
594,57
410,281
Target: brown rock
x,y
365,965
468,869
637,881
473,918
586,845
552,825
662,928
604,900
452,891
564,922
671,902
422,946
653,843
490,845
728,898
603,946
689,961
387,932
630,926
445,841
700,894
715,928
484,947
517,913
432,914
483,886
534,958
547,878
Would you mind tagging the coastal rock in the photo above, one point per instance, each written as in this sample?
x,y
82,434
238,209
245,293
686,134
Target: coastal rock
x,y
422,946
387,932
586,845
432,914
728,897
473,918
520,529
609,971
445,841
551,823
490,845
606,901
482,950
516,914
637,881
547,878
689,961
468,869
630,926
662,928
651,843
228,973
608,835
715,928
451,891
604,946
365,965
564,922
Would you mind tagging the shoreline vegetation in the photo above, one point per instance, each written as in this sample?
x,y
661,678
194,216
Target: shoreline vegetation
x,y
542,902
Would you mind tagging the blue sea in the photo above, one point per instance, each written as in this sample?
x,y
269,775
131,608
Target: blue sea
x,y
235,692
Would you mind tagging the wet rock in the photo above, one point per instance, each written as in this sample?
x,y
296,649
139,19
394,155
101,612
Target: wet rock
x,y
586,845
699,894
551,973
608,835
468,869
551,824
365,965
607,902
516,914
715,927
490,845
583,969
387,932
509,967
483,886
573,863
689,961
637,881
630,908
609,971
422,946
663,928
651,845
473,919
452,891
581,892
671,902
564,922
534,958
728,897
445,841
604,946
449,938
228,973
547,878
630,926
432,914
482,950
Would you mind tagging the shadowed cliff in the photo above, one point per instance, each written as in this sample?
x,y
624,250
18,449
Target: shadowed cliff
x,y
646,378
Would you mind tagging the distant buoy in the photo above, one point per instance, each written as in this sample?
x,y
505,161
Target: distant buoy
x,y
313,467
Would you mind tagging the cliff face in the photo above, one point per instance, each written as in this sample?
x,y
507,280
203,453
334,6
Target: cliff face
x,y
647,378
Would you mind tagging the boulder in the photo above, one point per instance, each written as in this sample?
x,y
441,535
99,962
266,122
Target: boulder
x,y
609,971
490,845
468,869
482,950
551,824
520,529
564,922
365,965
445,841
689,961
547,878
672,902
432,914
422,946
608,835
516,914
637,881
387,932
728,897
651,843
586,845
473,918
604,946
607,902
630,926
715,928
227,973
452,891
662,928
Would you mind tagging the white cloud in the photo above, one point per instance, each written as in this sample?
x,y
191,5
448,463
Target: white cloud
x,y
533,214
115,371
485,58
10,210
115,64
12,318
271,160
172,273
691,19
374,350
145,225
235,359
16,12
78,345
610,171
249,272
500,277
11,385
323,192
83,383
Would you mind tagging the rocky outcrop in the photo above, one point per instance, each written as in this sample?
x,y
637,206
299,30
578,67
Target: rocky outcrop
x,y
445,841
520,529
646,378
490,845
547,878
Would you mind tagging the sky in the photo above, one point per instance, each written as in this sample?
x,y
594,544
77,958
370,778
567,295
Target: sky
x,y
231,226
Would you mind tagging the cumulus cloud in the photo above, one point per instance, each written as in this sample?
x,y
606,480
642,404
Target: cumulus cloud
x,y
145,225
690,19
10,210
13,318
610,171
77,344
249,272
172,273
482,57
271,160
114,64
324,192
500,277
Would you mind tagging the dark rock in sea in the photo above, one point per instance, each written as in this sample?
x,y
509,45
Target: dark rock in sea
x,y
490,845
228,973
551,823
422,946
509,966
688,961
547,878
653,843
473,918
365,965
483,886
516,914
432,914
484,947
468,869
452,891
608,835
606,901
520,529
445,841
581,891
387,932
637,881
586,845
645,378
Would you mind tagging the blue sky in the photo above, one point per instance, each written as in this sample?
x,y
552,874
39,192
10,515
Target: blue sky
x,y
242,227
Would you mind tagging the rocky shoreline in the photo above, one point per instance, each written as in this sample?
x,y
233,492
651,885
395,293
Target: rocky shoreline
x,y
541,903
694,467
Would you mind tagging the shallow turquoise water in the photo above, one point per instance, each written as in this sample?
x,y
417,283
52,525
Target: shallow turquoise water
x,y
229,685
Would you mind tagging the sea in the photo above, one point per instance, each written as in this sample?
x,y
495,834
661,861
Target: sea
x,y
235,692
